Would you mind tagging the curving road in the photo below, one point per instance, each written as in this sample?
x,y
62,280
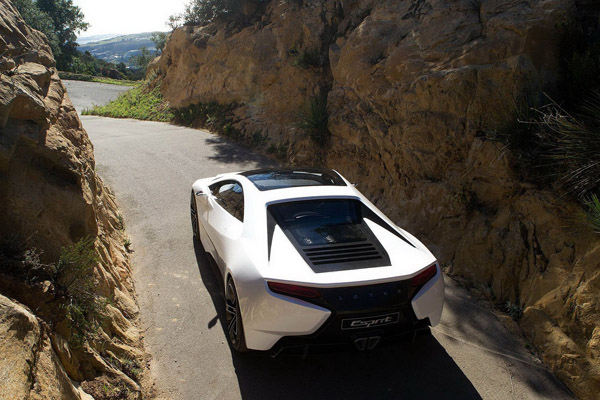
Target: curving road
x,y
151,167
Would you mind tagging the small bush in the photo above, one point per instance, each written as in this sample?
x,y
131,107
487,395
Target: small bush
x,y
130,367
120,222
592,212
514,311
74,280
307,58
313,119
19,261
127,244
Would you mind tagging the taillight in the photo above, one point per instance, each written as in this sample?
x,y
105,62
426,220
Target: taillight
x,y
294,290
424,276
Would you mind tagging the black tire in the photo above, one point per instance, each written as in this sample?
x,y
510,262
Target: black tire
x,y
233,319
194,217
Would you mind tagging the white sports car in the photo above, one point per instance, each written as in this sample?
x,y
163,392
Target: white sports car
x,y
306,259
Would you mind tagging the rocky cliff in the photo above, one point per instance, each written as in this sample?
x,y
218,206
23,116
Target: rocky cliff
x,y
50,199
411,86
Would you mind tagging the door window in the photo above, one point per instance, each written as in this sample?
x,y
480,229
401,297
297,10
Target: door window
x,y
230,196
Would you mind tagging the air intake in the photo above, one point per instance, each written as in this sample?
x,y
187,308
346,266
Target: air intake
x,y
346,253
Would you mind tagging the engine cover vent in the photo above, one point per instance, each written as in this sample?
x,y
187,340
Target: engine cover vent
x,y
361,251
338,257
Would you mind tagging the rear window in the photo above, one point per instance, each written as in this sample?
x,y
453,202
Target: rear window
x,y
321,222
330,234
269,179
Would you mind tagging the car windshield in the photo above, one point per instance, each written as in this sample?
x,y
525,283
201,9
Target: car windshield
x,y
320,222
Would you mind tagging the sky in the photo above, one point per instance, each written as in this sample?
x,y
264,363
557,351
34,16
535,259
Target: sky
x,y
127,16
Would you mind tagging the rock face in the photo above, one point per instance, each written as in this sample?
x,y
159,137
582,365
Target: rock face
x,y
50,198
410,86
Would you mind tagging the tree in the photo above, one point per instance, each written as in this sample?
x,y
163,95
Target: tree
x,y
68,22
60,21
143,58
174,21
159,39
39,20
202,12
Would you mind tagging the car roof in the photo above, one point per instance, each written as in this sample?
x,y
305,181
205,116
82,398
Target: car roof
x,y
283,178
256,197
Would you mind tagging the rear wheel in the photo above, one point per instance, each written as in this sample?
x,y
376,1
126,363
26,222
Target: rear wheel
x,y
194,217
234,326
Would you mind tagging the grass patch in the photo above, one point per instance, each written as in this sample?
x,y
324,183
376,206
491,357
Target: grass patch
x,y
313,119
100,79
141,102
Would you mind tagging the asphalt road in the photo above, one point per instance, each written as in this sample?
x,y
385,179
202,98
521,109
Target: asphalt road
x,y
151,167
89,94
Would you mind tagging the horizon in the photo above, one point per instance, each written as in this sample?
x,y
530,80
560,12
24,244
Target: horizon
x,y
149,16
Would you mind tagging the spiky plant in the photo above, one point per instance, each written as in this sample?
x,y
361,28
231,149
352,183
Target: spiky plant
x,y
313,119
592,212
574,146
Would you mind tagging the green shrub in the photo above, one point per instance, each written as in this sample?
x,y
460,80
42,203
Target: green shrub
x,y
592,212
313,119
141,102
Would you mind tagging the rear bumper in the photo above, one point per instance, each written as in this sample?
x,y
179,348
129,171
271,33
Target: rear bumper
x,y
275,322
329,336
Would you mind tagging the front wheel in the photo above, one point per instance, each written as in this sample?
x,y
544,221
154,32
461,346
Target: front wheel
x,y
234,325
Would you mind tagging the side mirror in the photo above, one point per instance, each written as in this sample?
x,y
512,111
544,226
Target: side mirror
x,y
201,193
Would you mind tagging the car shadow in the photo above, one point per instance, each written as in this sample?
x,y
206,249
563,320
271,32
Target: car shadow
x,y
232,153
408,370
